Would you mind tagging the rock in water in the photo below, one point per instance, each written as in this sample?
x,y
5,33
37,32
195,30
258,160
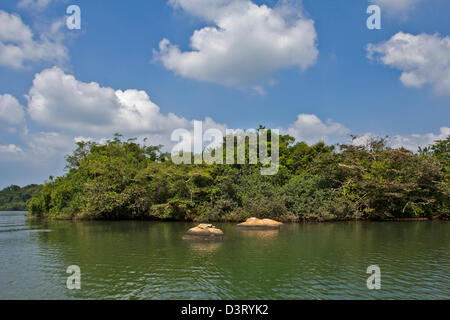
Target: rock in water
x,y
204,231
260,223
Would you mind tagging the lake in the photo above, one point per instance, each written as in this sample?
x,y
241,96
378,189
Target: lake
x,y
149,260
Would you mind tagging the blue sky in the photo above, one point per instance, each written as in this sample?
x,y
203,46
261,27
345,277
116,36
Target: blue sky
x,y
339,91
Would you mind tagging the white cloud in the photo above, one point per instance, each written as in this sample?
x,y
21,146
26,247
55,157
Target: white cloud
x,y
11,111
423,59
394,7
34,4
88,111
414,141
310,129
59,100
410,142
17,43
246,44
10,152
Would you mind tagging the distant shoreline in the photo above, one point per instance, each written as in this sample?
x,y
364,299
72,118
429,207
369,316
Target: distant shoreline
x,y
285,220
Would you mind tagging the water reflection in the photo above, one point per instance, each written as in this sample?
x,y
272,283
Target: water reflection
x,y
199,246
148,260
269,234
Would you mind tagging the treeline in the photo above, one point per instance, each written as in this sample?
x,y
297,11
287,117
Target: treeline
x,y
125,180
14,198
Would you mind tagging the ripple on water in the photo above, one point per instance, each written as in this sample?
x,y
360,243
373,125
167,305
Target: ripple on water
x,y
124,260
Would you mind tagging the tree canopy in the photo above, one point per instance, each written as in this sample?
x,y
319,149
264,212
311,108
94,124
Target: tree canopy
x,y
14,198
122,179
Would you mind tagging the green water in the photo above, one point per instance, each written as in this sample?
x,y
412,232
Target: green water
x,y
149,260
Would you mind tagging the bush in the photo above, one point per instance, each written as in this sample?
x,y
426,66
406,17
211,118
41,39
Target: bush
x,y
307,198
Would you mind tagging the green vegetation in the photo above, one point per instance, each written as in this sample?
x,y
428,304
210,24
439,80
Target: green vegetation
x,y
125,180
14,198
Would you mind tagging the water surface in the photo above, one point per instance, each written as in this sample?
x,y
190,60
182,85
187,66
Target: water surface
x,y
149,260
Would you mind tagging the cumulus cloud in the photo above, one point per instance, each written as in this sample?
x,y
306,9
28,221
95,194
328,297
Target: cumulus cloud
x,y
11,111
310,129
422,59
58,100
396,6
18,44
245,43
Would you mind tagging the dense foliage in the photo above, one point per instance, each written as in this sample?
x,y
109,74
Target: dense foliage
x,y
125,180
14,198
